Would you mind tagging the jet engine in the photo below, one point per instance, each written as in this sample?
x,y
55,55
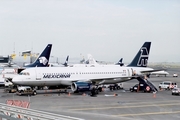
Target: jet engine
x,y
81,86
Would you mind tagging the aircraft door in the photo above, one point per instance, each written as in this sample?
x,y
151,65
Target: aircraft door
x,y
38,75
133,71
128,72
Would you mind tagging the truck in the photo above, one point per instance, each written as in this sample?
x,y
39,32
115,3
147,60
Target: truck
x,y
167,85
19,90
25,90
175,75
9,86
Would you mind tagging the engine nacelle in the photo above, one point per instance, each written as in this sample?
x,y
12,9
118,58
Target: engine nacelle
x,y
81,86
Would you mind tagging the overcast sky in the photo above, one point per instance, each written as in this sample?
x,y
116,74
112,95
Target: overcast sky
x,y
108,29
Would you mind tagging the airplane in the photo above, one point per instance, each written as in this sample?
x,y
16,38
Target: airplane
x,y
43,58
82,78
120,62
65,64
6,72
6,67
91,62
6,61
160,73
41,61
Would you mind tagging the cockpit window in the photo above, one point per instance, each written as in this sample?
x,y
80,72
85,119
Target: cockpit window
x,y
24,73
20,73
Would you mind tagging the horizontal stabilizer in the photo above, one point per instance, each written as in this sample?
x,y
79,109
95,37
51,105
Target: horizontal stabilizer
x,y
150,71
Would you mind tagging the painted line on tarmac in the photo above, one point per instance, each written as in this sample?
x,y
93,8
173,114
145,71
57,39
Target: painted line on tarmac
x,y
137,106
120,103
150,113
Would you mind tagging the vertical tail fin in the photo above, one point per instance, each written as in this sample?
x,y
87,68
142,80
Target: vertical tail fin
x,y
66,62
120,62
91,60
141,58
43,58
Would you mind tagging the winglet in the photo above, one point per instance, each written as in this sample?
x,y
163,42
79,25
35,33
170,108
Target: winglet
x,y
141,58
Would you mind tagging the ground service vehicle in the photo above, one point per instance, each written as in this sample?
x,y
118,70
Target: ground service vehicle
x,y
175,75
25,90
176,91
9,87
167,85
140,87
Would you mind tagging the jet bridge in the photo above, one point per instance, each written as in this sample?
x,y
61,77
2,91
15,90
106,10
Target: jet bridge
x,y
9,112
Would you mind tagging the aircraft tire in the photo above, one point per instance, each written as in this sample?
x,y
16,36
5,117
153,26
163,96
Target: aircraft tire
x,y
159,88
131,90
110,88
20,92
100,89
34,93
96,91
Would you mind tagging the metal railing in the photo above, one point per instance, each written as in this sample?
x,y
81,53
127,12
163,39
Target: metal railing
x,y
30,114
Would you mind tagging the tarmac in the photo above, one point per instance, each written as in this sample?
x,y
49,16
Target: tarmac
x,y
109,105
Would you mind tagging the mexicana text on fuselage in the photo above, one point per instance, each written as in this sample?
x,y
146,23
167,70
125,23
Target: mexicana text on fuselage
x,y
56,75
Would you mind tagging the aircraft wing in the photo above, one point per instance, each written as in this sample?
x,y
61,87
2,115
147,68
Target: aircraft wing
x,y
103,79
149,71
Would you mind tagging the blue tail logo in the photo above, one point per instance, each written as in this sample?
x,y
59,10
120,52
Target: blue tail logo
x,y
143,59
43,59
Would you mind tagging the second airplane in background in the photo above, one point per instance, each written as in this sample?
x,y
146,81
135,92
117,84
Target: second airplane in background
x,y
41,61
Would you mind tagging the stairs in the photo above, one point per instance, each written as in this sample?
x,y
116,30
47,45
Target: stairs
x,y
147,83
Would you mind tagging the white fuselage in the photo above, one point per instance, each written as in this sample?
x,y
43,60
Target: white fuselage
x,y
162,72
50,76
